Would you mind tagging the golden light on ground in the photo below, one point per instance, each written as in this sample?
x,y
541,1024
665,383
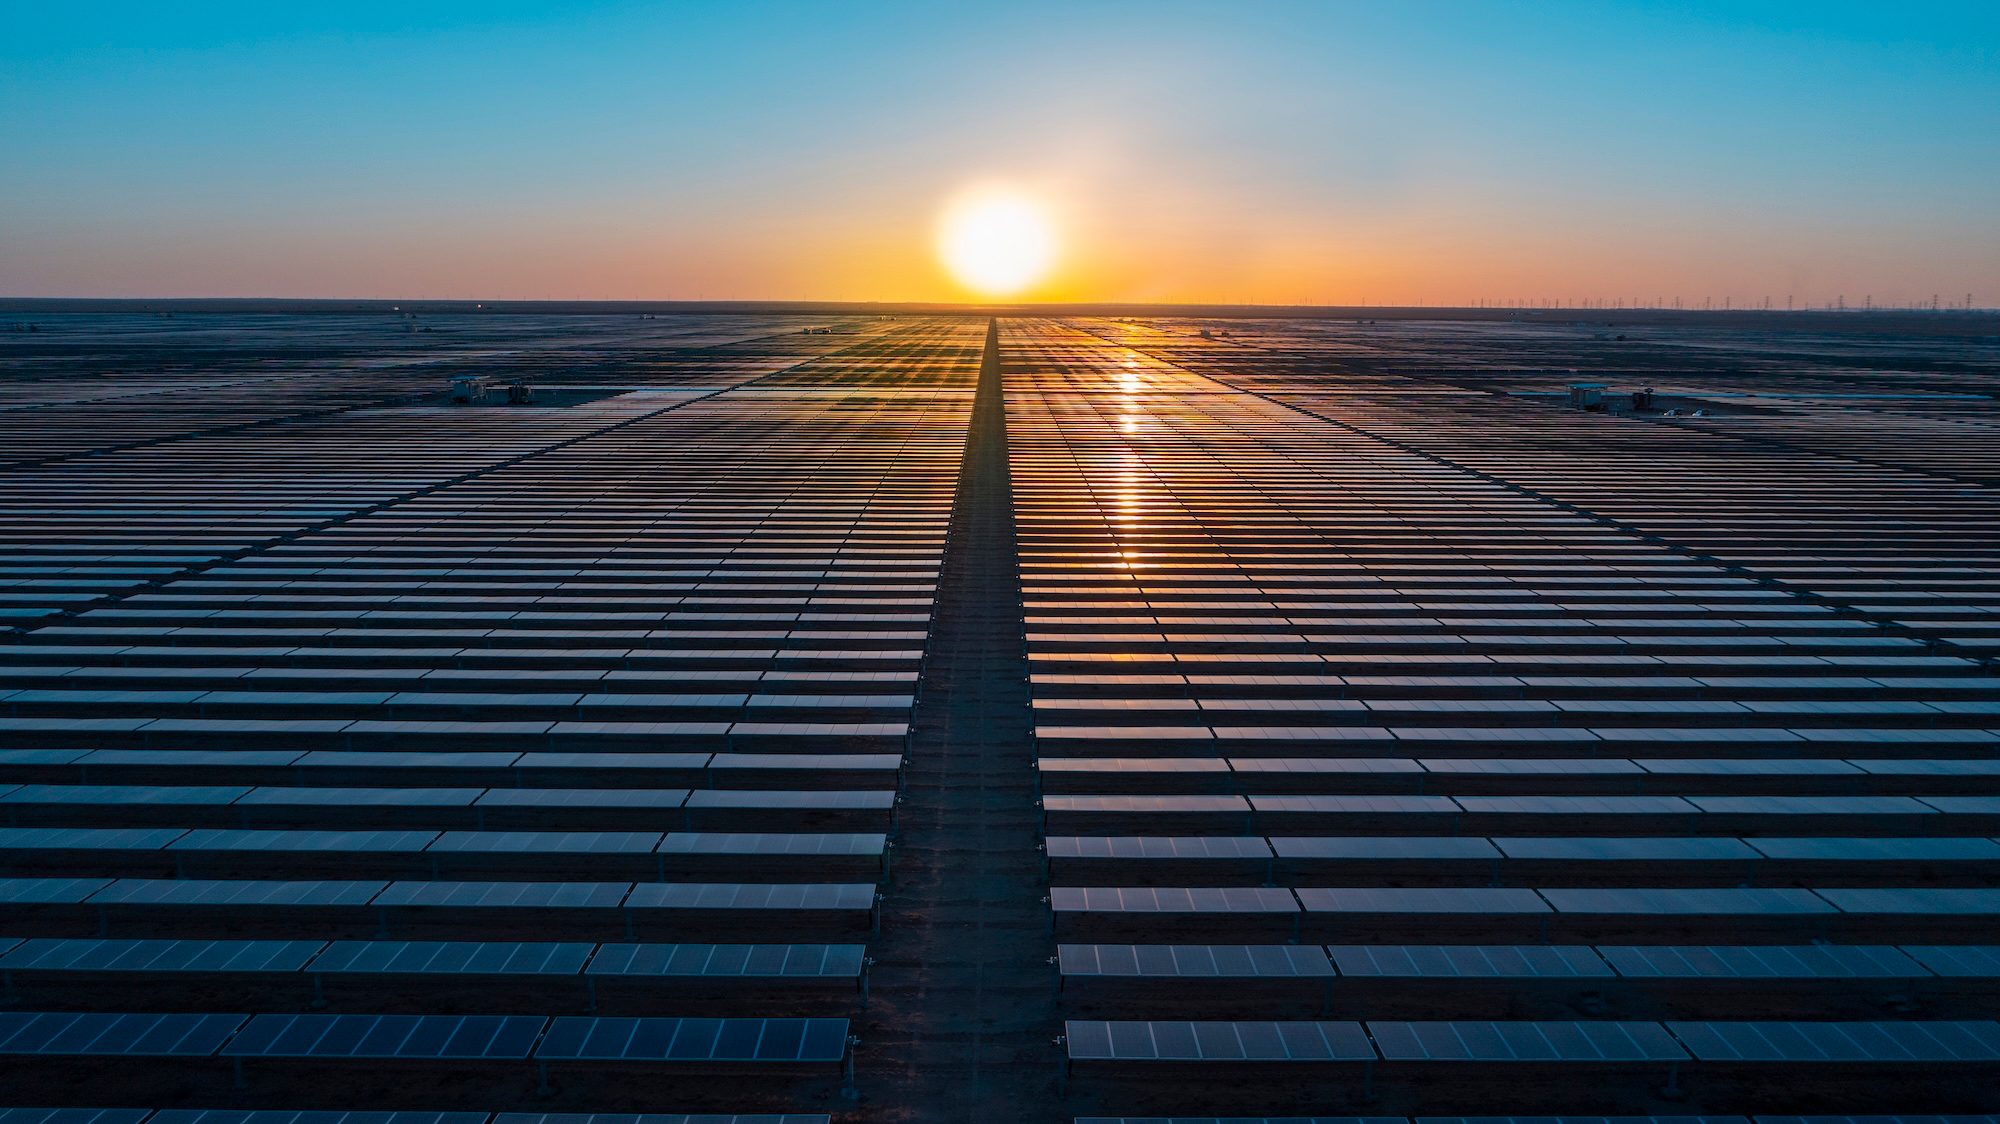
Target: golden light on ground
x,y
996,241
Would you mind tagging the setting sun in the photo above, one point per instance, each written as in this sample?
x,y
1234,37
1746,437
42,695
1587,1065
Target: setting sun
x,y
996,242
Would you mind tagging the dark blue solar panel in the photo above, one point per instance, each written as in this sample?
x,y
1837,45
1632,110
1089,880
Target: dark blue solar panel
x,y
455,957
1754,962
1524,1041
1469,961
177,1035
287,1116
1194,961
73,1115
661,1118
1761,1119
1240,1120
695,1040
49,891
1974,961
87,955
801,961
1972,1040
388,1036
1217,1041
1582,1120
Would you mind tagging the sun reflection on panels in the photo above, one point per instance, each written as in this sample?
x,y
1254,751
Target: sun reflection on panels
x,y
1319,663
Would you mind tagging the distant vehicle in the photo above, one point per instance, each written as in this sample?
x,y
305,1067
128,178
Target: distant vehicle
x,y
1587,395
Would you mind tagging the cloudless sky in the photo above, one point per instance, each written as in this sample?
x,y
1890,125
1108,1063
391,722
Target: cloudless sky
x,y
1311,152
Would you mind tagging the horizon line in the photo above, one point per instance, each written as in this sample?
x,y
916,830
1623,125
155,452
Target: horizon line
x,y
1084,307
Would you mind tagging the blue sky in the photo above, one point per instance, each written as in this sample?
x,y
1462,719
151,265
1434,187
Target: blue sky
x,y
1324,151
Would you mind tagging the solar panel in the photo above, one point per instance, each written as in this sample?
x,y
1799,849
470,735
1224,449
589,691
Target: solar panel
x,y
1583,1120
40,757
1469,961
1814,805
546,842
222,839
1935,1042
74,1115
751,895
733,961
288,1116
454,957
1421,899
1145,804
111,794
149,1035
1354,805
1760,962
1577,805
656,798
608,761
1172,899
773,843
1378,847
1156,847
1217,1041
438,894
49,891
1442,659
1762,1119
84,955
1962,961
1656,901
1240,1120
1883,849
1627,849
391,759
88,838
660,1118
387,1036
1194,961
1607,1041
817,799
695,1040
278,795
236,892
1943,901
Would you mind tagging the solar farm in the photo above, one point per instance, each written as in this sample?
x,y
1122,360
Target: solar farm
x,y
1132,719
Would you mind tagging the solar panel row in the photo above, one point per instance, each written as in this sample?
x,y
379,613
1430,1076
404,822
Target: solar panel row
x,y
1525,713
60,954
337,1117
1749,962
483,1037
1935,1043
1534,1120
601,702
1367,682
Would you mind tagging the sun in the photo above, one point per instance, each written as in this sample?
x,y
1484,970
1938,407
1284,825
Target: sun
x,y
996,241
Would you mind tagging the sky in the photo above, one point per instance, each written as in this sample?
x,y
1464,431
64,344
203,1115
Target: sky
x,y
1244,152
